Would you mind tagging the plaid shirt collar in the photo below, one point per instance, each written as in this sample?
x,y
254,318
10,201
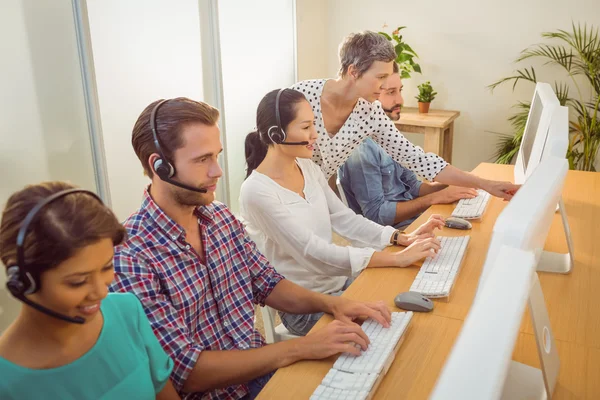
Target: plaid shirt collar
x,y
165,223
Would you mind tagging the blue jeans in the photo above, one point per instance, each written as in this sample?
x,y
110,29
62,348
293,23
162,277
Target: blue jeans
x,y
300,324
256,385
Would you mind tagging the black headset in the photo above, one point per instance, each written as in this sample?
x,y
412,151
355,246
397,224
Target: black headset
x,y
21,281
276,133
163,168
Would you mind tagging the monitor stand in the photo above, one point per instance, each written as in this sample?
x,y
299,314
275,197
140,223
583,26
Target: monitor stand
x,y
560,263
524,381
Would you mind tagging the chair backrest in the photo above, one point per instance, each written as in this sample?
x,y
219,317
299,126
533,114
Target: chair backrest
x,y
340,188
268,315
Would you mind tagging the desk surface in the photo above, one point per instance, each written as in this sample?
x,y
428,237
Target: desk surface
x,y
573,303
433,119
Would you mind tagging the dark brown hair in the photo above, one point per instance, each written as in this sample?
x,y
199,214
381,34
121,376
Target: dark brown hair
x,y
171,118
60,229
258,142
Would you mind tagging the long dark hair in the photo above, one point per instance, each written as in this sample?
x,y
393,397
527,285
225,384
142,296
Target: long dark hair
x,y
257,142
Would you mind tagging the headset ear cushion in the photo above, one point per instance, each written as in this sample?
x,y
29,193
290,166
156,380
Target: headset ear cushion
x,y
31,285
13,282
162,169
275,135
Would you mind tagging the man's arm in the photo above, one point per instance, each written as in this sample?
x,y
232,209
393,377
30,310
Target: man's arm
x,y
219,369
429,188
410,208
291,298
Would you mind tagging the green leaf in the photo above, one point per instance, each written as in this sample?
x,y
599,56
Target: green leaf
x,y
417,68
388,37
408,48
404,74
521,74
402,58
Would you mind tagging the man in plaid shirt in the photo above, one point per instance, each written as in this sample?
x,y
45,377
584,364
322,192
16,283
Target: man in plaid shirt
x,y
198,275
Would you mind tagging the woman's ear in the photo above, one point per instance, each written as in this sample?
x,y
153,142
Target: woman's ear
x,y
352,72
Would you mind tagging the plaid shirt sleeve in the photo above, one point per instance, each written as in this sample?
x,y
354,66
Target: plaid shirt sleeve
x,y
264,276
134,276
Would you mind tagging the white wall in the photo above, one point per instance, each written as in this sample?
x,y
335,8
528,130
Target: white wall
x,y
20,126
257,55
43,126
312,34
463,46
142,52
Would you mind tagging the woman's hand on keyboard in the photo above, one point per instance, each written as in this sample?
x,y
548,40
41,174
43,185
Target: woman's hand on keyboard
x,y
424,231
336,337
418,250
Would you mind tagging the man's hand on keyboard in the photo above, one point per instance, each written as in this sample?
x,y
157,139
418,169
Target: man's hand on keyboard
x,y
452,194
504,190
418,250
336,337
346,310
424,231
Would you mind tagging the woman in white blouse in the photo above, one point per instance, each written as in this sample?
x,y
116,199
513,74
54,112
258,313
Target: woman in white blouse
x,y
290,210
347,111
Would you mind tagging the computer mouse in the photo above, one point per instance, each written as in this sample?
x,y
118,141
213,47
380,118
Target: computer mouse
x,y
413,301
458,223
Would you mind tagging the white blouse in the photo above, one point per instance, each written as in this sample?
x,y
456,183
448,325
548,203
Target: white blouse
x,y
295,233
367,119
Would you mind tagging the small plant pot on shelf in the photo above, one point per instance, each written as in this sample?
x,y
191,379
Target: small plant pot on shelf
x,y
424,107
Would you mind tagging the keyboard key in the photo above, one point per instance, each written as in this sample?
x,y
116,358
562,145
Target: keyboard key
x,y
437,274
472,208
354,377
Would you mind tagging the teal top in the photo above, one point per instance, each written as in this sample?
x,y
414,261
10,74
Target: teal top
x,y
127,362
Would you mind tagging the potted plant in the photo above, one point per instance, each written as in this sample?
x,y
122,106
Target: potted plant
x,y
578,54
404,53
425,97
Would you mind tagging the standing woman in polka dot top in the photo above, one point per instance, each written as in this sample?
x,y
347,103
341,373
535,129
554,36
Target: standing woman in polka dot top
x,y
347,112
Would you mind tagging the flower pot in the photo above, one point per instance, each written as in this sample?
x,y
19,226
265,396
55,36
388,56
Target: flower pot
x,y
424,107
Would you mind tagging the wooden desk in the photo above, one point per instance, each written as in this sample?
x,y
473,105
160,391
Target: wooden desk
x,y
436,125
573,303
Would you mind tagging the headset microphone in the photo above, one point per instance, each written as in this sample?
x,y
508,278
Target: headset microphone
x,y
295,143
276,133
163,168
47,311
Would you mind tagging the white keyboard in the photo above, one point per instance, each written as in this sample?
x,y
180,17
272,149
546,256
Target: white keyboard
x,y
437,274
357,378
472,208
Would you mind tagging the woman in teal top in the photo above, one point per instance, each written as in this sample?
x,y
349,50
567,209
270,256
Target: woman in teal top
x,y
72,340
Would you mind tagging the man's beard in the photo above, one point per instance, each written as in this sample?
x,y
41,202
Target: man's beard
x,y
188,198
390,112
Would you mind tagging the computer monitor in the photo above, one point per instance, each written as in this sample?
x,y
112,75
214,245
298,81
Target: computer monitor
x,y
536,129
480,361
525,221
508,282
557,139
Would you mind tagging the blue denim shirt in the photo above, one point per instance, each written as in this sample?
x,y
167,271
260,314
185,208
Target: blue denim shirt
x,y
373,183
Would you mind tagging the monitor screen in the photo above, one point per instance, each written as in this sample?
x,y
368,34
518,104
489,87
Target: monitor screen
x,y
533,123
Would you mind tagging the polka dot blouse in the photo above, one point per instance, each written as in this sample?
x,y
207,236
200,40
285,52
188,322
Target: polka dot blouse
x,y
367,119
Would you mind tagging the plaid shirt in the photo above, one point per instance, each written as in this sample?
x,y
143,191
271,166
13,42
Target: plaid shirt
x,y
194,306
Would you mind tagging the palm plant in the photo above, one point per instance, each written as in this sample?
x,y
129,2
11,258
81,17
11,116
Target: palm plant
x,y
579,55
